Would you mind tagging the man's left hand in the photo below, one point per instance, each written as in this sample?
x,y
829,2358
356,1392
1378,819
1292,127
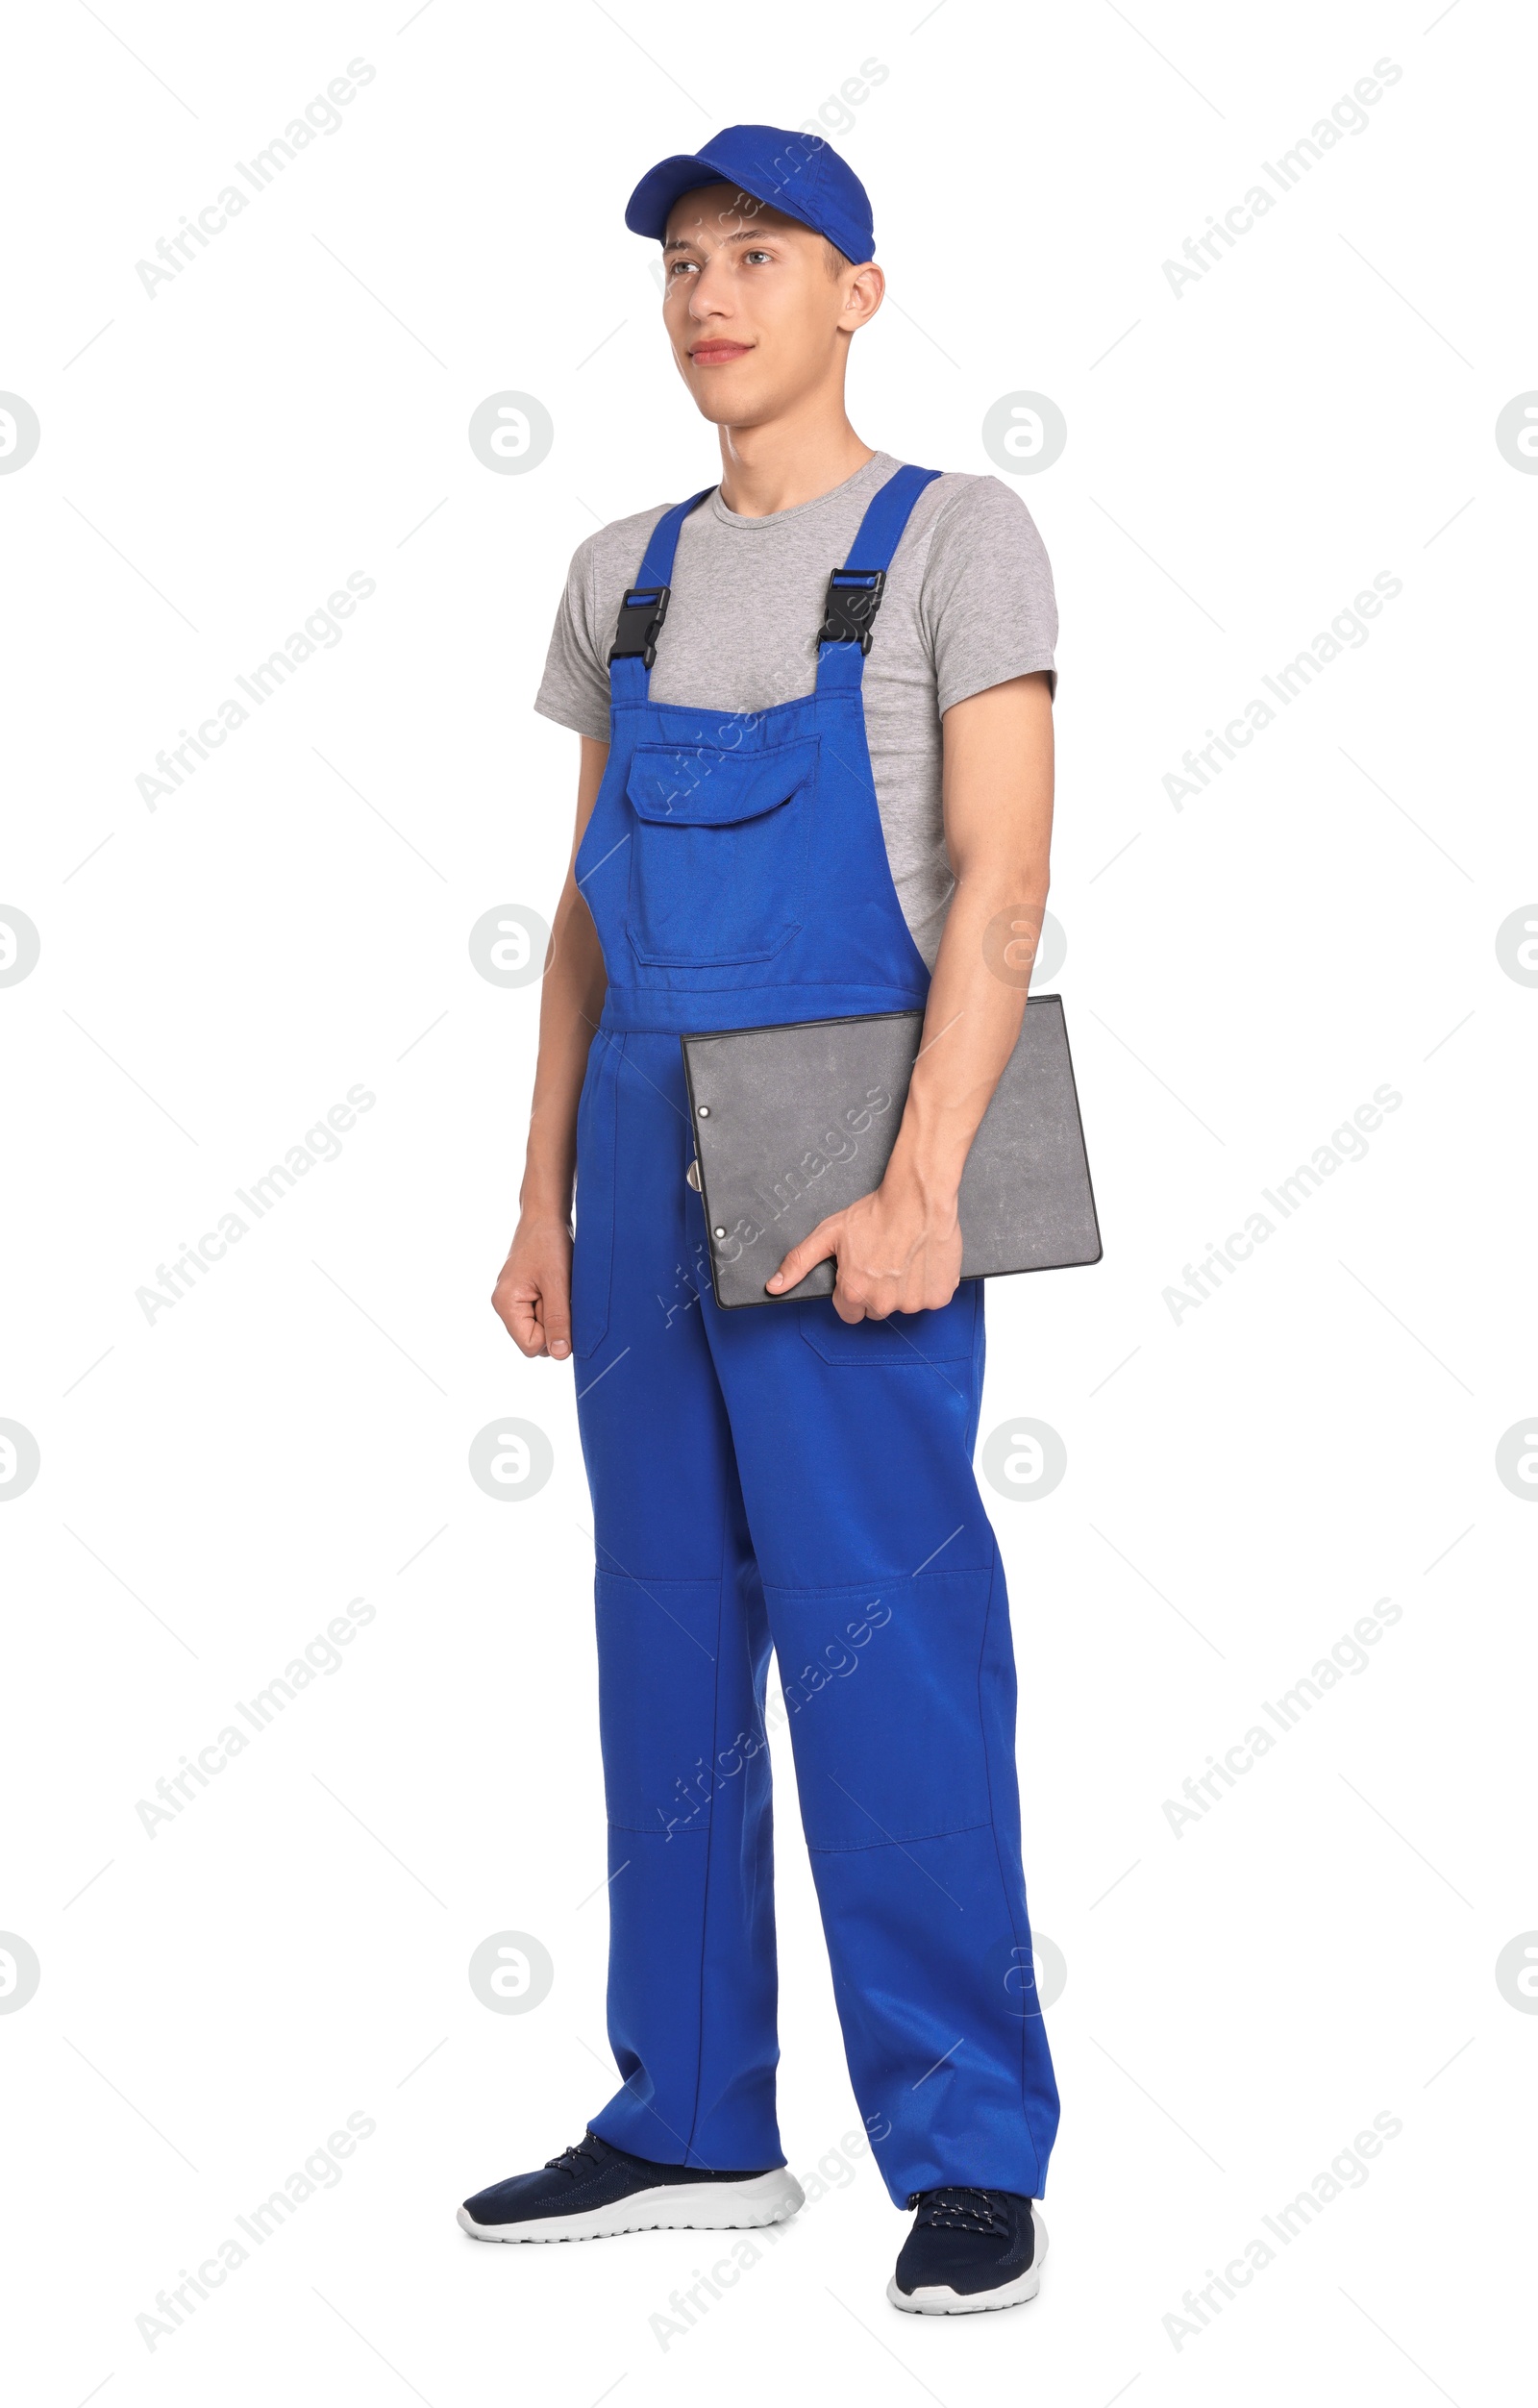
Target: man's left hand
x,y
897,1252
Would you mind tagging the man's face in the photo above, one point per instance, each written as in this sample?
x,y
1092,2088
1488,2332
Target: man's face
x,y
755,317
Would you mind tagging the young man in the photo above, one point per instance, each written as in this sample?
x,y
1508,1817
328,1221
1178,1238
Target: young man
x,y
772,827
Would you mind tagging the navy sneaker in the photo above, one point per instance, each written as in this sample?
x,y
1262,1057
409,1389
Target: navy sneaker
x,y
593,2191
969,2250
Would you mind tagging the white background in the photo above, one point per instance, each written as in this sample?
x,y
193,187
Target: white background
x,y
1240,974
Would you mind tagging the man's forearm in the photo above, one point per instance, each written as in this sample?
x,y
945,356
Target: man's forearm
x,y
570,1002
970,1027
998,810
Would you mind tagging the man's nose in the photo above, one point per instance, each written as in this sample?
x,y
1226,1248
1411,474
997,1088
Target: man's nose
x,y
708,290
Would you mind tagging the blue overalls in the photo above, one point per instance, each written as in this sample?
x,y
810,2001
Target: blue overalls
x,y
775,1476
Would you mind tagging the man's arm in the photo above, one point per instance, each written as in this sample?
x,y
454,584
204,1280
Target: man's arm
x,y
900,1248
533,1294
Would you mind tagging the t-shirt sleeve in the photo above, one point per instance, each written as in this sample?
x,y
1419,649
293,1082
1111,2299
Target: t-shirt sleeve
x,y
986,600
574,690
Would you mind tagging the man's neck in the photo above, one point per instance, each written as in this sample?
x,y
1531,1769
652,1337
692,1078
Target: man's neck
x,y
776,467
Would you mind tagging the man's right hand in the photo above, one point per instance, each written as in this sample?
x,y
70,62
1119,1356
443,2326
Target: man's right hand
x,y
533,1294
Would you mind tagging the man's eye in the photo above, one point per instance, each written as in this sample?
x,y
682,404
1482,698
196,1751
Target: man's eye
x,y
756,255
677,267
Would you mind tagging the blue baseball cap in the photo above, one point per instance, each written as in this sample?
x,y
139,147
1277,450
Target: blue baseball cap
x,y
798,173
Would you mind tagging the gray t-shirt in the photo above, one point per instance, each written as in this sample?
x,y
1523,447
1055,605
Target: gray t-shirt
x,y
968,602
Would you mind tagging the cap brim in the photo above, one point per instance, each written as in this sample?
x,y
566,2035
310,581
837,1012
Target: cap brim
x,y
650,205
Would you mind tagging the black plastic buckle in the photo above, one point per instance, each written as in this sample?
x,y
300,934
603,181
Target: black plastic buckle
x,y
640,615
853,598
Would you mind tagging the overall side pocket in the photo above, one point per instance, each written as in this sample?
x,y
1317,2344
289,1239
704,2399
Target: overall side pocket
x,y
903,1342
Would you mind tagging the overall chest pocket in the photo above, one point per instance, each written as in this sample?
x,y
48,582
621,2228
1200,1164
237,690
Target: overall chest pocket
x,y
720,844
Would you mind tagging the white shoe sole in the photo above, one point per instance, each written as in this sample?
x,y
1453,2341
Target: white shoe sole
x,y
940,2300
766,2199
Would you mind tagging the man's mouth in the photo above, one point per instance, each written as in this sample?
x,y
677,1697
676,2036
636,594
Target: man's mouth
x,y
716,353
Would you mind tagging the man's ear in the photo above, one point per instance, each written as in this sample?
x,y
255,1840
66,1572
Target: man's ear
x,y
863,297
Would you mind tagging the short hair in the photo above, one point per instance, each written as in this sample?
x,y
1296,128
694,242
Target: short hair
x,y
836,262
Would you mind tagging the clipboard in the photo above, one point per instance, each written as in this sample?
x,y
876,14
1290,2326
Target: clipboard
x,y
795,1121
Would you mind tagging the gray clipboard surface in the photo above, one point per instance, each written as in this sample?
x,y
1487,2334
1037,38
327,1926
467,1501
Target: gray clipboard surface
x,y
793,1122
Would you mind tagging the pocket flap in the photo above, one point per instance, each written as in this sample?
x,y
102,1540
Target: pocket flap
x,y
691,786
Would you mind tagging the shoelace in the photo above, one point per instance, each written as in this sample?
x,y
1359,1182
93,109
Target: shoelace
x,y
590,2150
959,2208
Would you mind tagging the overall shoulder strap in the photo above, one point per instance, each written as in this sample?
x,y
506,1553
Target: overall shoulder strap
x,y
645,605
657,569
855,590
880,529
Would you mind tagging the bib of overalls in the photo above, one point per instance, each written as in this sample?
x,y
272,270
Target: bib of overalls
x,y
734,863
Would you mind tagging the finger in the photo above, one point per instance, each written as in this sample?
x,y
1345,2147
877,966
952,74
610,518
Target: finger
x,y
817,1247
519,1313
556,1309
857,1299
